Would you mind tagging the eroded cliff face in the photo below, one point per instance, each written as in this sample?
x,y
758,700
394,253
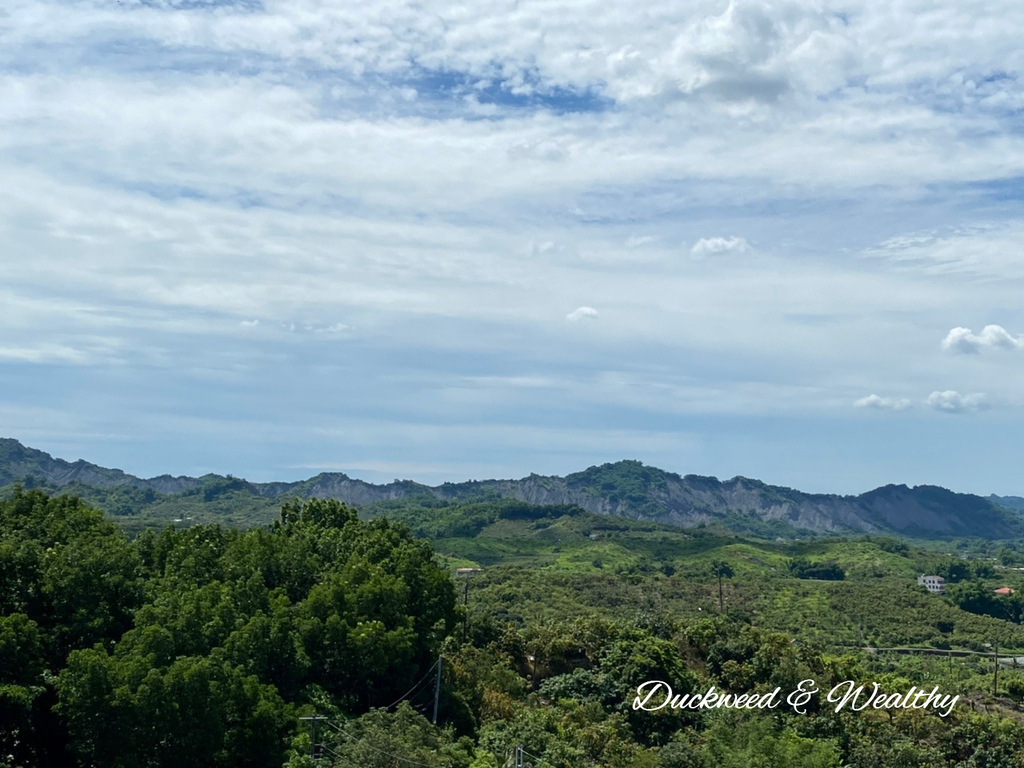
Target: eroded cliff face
x,y
626,488
691,500
689,503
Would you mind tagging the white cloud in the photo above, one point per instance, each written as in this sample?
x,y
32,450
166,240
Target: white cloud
x,y
319,328
326,328
952,401
882,403
637,240
538,149
543,247
716,246
45,353
964,341
583,313
249,323
979,249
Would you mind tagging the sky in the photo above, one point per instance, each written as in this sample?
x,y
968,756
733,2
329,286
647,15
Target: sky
x,y
440,241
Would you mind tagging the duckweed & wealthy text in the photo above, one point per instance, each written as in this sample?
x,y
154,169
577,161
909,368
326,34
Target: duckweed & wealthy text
x,y
657,694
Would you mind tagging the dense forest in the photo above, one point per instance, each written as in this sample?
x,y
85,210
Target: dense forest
x,y
210,646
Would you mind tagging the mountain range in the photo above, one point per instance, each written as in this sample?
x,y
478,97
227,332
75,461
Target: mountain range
x,y
626,488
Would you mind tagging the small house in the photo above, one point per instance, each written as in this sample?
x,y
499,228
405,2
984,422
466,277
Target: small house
x,y
934,584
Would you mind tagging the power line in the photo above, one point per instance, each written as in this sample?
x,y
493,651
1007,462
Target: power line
x,y
333,753
421,701
438,666
541,759
340,730
418,684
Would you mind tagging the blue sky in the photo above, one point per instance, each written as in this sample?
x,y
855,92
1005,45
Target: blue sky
x,y
444,241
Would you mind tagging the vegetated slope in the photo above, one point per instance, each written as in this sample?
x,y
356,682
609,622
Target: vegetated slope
x,y
19,462
1010,502
541,563
624,488
209,648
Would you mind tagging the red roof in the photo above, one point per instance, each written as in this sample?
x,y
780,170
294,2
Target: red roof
x,y
1004,591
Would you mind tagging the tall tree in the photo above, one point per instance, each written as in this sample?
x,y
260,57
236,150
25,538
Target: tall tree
x,y
722,570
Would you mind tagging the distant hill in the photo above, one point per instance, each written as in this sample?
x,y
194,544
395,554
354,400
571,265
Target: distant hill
x,y
1010,502
625,488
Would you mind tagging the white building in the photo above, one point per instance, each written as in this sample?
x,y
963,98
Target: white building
x,y
934,584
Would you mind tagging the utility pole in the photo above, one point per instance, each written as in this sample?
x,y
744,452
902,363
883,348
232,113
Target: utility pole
x,y
720,569
314,751
995,671
437,687
466,574
465,605
519,756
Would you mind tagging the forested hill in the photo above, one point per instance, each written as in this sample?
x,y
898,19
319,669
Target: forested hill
x,y
626,488
1010,502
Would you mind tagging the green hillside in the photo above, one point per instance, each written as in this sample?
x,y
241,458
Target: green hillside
x,y
558,559
201,645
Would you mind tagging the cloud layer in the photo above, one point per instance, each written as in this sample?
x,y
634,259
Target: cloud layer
x,y
307,233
